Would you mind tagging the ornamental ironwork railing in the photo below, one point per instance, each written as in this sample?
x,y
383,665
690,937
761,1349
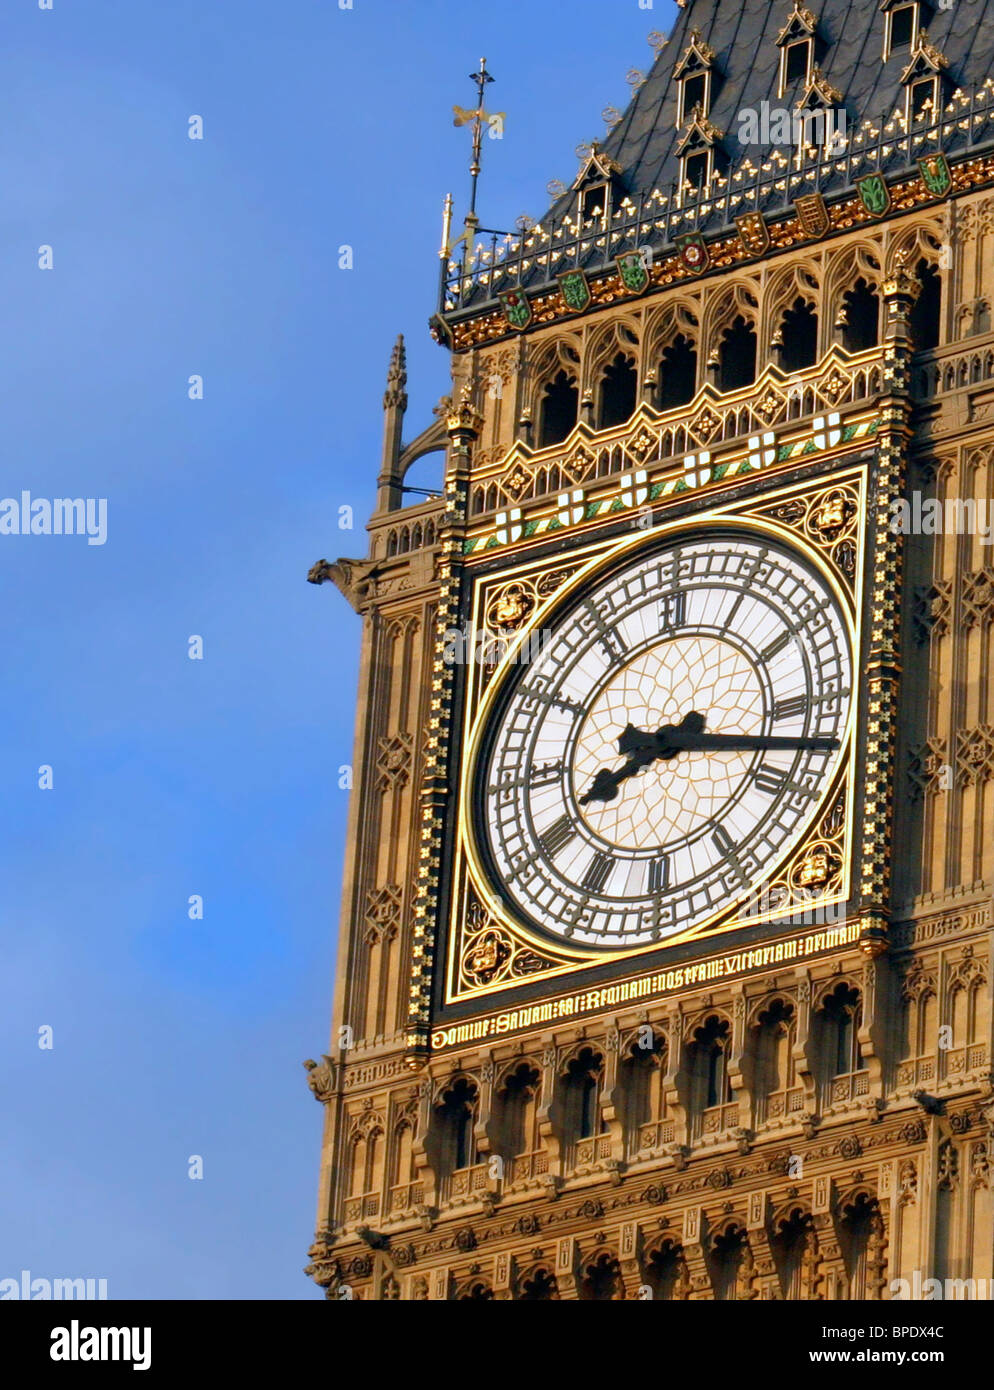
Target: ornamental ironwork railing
x,y
535,257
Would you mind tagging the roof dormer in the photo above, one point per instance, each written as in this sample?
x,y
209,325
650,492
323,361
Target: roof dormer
x,y
925,82
822,118
904,20
696,78
701,156
598,186
798,45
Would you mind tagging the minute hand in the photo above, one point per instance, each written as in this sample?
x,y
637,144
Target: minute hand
x,y
735,743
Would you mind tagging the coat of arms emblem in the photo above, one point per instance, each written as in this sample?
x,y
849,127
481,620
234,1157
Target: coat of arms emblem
x,y
935,174
753,233
874,194
693,251
516,308
575,291
633,271
812,214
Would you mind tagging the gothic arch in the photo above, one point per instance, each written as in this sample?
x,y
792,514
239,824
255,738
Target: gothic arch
x,y
921,241
695,1022
474,1290
800,280
724,305
766,1002
537,1284
508,1068
825,988
600,1276
679,315
859,260
560,354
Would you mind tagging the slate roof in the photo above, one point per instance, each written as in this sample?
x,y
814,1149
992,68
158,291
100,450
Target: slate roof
x,y
743,34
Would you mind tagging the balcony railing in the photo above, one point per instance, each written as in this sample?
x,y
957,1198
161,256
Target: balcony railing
x,y
527,1167
535,257
361,1208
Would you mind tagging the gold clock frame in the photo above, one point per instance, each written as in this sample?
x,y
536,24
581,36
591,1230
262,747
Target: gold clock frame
x,y
490,950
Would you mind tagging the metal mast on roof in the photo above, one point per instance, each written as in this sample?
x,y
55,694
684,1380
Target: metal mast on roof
x,y
479,117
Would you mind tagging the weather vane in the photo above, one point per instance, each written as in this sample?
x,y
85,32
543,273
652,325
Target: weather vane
x,y
479,118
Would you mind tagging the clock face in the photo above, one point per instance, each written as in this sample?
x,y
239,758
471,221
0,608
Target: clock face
x,y
734,635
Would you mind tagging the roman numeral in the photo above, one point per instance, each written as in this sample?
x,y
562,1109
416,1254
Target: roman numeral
x,y
597,871
784,640
541,774
788,709
557,836
673,610
659,874
728,852
771,779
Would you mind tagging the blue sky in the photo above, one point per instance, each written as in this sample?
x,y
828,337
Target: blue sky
x,y
217,777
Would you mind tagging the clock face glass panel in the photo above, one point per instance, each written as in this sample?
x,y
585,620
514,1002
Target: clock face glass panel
x,y
735,630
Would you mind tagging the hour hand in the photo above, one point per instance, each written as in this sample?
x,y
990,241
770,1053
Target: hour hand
x,y
606,783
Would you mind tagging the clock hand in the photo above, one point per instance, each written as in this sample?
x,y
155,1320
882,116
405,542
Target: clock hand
x,y
703,743
643,748
687,736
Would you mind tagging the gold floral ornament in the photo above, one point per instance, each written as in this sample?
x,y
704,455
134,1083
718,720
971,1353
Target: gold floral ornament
x,y
832,513
516,481
490,954
819,866
486,956
510,607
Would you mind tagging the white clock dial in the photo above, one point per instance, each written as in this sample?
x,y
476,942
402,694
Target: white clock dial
x,y
735,634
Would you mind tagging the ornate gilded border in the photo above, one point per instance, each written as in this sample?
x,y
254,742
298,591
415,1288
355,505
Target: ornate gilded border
x,y
487,949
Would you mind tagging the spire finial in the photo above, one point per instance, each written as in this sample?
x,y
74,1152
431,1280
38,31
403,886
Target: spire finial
x,y
395,394
463,117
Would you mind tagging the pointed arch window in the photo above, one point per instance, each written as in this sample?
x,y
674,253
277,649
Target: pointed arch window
x,y
558,410
712,1106
926,311
677,373
842,1069
794,1247
579,1106
775,1085
539,1287
728,1264
859,317
516,1133
737,356
667,1274
644,1111
618,392
453,1130
797,337
861,1232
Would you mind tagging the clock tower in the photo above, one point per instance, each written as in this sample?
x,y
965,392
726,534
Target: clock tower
x,y
664,952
